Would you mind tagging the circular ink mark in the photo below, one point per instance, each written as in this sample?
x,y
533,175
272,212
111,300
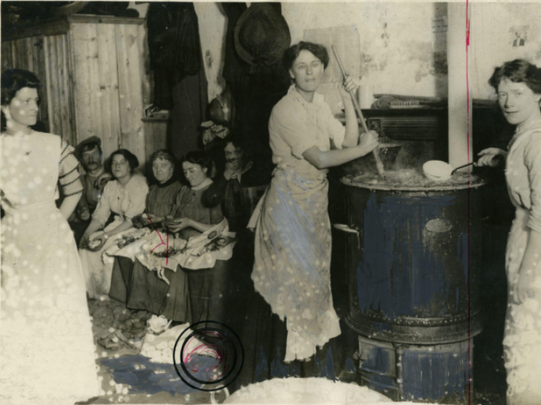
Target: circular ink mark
x,y
210,355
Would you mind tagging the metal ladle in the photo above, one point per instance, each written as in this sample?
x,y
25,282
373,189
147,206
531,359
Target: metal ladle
x,y
461,167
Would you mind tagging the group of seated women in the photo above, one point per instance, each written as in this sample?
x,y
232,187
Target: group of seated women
x,y
165,248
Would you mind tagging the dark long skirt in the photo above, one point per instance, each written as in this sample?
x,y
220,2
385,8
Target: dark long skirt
x,y
133,284
192,296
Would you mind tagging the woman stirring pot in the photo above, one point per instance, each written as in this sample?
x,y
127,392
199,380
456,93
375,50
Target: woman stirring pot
x,y
293,235
518,84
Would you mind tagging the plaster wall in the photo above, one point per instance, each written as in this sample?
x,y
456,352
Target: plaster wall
x,y
493,34
399,51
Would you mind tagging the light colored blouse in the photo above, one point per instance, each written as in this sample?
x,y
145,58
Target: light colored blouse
x,y
296,125
127,201
523,171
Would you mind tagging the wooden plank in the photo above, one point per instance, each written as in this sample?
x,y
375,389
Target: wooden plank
x,y
70,69
108,83
38,69
48,27
42,75
63,108
130,91
81,86
62,25
37,46
52,87
104,19
7,58
68,132
27,53
19,45
93,79
17,57
84,51
47,83
155,135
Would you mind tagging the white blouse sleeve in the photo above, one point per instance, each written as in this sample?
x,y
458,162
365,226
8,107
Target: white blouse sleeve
x,y
103,209
335,129
532,160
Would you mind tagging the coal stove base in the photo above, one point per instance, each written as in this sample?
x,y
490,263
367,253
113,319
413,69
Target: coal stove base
x,y
420,373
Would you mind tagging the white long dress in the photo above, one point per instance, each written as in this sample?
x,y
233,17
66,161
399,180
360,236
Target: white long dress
x,y
522,343
47,353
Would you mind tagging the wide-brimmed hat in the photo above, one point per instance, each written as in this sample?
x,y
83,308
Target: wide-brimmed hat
x,y
80,145
222,109
261,35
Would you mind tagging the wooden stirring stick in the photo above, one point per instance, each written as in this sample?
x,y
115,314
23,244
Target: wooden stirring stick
x,y
379,163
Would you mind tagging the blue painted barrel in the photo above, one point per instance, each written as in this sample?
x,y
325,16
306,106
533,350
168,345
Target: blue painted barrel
x,y
414,272
414,267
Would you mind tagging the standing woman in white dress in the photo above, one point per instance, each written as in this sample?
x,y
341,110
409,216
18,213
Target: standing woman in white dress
x,y
293,235
518,84
47,354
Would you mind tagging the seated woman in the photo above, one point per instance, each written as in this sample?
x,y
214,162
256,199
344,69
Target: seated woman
x,y
140,288
237,187
183,295
125,197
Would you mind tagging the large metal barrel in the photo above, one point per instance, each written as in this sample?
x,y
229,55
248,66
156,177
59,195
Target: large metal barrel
x,y
413,271
414,265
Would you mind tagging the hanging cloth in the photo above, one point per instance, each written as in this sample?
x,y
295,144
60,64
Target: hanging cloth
x,y
174,47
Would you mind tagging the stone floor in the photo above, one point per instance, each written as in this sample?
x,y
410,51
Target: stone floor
x,y
128,377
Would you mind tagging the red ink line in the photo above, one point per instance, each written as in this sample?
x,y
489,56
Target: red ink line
x,y
162,242
167,248
468,112
157,247
155,229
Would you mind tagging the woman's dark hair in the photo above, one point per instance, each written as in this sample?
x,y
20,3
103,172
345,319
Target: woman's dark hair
x,y
163,154
239,142
199,158
130,157
319,51
90,146
14,80
518,71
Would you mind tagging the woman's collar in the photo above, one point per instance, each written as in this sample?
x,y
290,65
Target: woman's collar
x,y
205,183
167,183
527,125
318,98
133,174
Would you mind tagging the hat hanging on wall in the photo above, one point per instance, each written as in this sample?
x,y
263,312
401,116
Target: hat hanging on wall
x,y
222,108
261,35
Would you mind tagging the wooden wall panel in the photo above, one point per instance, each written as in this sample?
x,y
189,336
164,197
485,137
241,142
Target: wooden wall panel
x,y
84,50
7,59
96,80
155,134
53,88
66,83
108,93
130,90
59,86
